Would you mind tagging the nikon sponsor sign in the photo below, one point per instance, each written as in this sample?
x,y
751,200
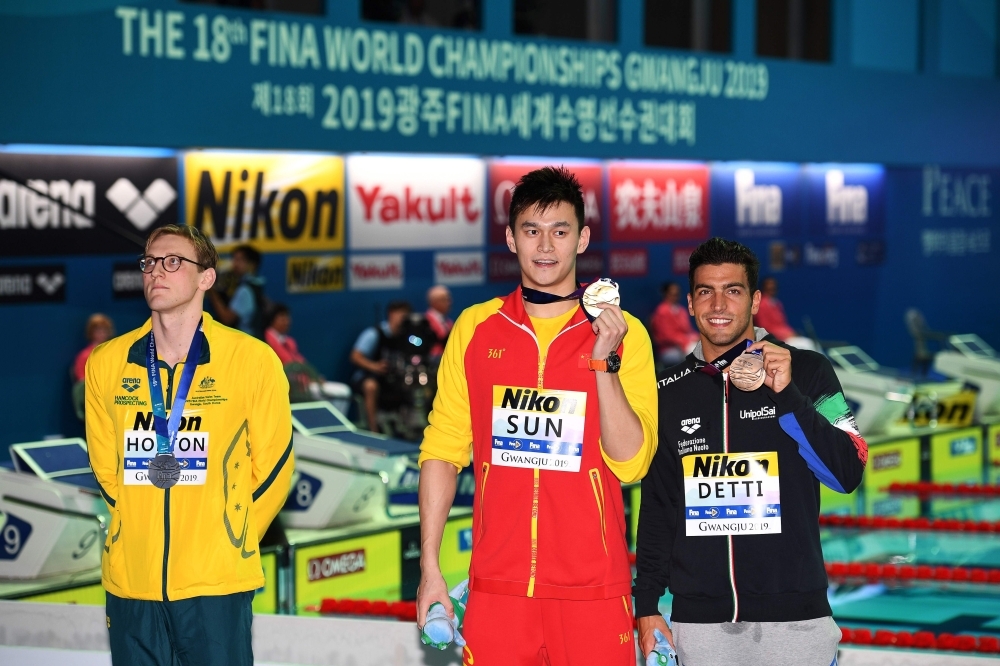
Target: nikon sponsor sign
x,y
278,202
310,274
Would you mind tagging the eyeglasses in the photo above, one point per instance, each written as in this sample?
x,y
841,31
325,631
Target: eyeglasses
x,y
171,263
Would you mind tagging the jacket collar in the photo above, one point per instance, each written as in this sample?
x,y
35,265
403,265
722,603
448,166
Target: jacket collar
x,y
758,333
513,309
137,352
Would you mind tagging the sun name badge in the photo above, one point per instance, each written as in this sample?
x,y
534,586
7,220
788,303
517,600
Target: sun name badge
x,y
732,494
191,450
538,428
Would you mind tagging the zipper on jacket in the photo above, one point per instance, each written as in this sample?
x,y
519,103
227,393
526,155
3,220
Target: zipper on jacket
x,y
729,537
536,479
595,483
166,493
482,498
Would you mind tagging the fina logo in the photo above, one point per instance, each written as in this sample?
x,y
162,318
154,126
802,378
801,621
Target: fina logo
x,y
756,205
691,425
845,204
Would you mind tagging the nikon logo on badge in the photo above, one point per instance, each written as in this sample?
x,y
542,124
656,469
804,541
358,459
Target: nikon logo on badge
x,y
722,465
340,564
280,202
758,414
534,401
144,421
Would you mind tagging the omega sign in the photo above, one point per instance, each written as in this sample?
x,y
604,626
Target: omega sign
x,y
407,202
340,564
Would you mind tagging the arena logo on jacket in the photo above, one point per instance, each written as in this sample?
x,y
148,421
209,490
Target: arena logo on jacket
x,y
191,449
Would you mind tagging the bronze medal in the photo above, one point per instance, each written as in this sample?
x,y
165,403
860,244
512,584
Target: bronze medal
x,y
747,371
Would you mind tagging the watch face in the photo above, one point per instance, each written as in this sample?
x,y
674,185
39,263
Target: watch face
x,y
614,362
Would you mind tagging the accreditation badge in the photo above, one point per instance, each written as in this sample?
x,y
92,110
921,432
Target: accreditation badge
x,y
190,451
538,428
732,494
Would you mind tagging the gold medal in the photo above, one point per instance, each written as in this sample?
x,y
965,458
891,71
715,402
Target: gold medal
x,y
747,371
602,291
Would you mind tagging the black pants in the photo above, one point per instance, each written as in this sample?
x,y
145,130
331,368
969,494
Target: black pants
x,y
202,631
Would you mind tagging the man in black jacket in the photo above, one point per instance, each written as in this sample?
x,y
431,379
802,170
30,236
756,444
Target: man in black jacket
x,y
749,428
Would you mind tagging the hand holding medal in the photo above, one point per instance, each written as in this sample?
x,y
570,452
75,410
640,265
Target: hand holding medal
x,y
775,366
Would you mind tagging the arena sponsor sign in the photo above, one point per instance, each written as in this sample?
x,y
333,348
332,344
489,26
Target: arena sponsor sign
x,y
277,202
376,271
339,564
658,202
504,174
410,202
756,200
49,202
459,268
126,280
629,263
314,273
845,199
32,284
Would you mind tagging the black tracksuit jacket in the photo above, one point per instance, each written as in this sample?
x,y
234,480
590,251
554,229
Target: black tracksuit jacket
x,y
754,578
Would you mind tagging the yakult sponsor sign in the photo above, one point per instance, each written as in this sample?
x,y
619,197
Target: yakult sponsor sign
x,y
459,268
409,202
504,175
658,202
376,271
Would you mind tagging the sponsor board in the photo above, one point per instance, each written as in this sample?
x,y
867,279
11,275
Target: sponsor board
x,y
375,271
504,174
782,255
628,263
756,200
126,280
314,273
410,202
950,193
337,564
658,202
826,255
459,268
845,199
277,202
680,260
870,252
589,265
32,284
49,202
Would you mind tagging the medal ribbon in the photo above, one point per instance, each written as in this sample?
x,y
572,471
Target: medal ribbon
x,y
542,298
166,430
720,364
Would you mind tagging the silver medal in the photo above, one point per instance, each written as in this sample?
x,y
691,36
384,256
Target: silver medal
x,y
164,471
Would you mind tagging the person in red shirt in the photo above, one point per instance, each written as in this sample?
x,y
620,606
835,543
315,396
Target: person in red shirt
x,y
771,317
99,329
304,381
439,305
671,327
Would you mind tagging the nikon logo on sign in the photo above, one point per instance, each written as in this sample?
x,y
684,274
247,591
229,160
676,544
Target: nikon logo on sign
x,y
310,274
278,202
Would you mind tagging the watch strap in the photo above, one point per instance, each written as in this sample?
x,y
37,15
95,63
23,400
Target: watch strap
x,y
598,365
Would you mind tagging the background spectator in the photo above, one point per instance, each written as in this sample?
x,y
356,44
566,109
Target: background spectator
x,y
672,333
369,355
99,329
439,305
305,383
771,316
245,307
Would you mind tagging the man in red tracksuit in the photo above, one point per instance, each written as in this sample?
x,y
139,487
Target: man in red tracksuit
x,y
555,411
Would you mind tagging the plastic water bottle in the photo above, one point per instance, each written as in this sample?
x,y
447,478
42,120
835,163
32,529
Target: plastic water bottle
x,y
662,653
440,630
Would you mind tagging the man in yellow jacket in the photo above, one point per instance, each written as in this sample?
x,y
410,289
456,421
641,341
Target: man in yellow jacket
x,y
189,434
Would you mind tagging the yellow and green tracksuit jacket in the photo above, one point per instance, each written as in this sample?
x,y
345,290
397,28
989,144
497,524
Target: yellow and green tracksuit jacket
x,y
200,537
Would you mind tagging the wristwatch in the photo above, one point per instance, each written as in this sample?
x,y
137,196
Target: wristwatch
x,y
612,363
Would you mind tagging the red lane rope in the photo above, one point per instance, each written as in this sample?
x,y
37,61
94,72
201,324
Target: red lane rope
x,y
929,524
907,572
920,639
401,610
925,488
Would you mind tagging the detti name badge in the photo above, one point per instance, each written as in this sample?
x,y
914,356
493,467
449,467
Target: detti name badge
x,y
538,428
732,494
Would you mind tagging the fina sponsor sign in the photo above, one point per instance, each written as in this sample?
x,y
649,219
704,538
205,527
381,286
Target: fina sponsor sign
x,y
503,175
376,271
48,202
409,202
756,200
32,284
278,202
459,268
658,202
845,199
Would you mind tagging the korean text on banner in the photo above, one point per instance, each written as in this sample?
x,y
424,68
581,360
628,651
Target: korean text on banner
x,y
412,202
278,202
656,202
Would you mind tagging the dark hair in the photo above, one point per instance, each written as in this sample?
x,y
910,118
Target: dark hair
x,y
718,251
544,188
397,305
273,312
251,254
665,287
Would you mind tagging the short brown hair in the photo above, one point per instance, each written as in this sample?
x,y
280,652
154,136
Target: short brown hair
x,y
96,320
208,256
